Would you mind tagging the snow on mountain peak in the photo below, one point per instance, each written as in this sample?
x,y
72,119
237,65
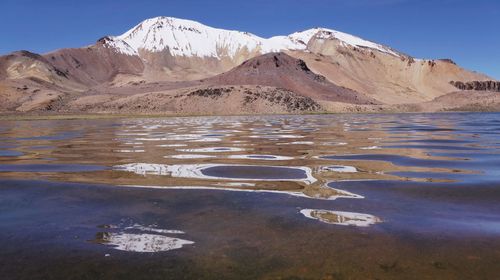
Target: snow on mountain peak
x,y
190,38
187,38
347,39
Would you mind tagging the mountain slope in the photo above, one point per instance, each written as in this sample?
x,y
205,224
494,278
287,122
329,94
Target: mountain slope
x,y
283,71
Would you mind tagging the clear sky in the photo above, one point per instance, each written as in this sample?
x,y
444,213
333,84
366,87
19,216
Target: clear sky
x,y
467,31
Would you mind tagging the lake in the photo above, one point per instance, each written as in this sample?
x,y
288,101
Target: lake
x,y
389,196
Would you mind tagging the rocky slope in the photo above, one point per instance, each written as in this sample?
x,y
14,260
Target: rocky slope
x,y
283,71
153,67
478,85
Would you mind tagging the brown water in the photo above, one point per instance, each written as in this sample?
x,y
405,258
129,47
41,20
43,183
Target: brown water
x,y
413,196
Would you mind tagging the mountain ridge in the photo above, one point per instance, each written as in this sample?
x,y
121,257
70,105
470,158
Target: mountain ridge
x,y
191,38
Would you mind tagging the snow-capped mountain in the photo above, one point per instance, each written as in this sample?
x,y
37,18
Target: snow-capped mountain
x,y
190,38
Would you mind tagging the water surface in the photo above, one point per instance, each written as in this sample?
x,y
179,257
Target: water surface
x,y
409,196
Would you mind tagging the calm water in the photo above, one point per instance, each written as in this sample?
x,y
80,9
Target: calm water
x,y
412,196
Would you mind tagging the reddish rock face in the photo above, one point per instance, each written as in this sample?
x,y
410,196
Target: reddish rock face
x,y
94,65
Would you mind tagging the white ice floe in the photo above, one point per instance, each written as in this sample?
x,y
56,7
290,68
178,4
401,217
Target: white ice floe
x,y
339,168
340,218
143,243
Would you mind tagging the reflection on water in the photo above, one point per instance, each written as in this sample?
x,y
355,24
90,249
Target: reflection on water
x,y
153,241
412,173
341,218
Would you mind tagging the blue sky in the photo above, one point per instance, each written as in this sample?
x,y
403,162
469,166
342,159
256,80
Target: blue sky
x,y
466,31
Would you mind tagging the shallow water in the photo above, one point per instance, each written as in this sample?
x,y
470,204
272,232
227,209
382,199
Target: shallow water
x,y
412,196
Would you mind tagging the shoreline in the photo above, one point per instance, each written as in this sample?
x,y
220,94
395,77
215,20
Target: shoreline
x,y
98,116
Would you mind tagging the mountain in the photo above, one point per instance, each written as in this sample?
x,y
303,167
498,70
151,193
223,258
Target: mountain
x,y
190,38
283,71
175,66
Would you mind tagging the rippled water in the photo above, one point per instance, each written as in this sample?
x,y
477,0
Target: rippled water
x,y
339,196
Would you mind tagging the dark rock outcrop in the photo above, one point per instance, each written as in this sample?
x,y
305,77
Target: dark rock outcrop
x,y
448,60
478,85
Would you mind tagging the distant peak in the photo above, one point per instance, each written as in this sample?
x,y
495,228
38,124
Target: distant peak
x,y
182,37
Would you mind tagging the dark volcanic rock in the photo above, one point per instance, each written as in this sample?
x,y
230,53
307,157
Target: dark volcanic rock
x,y
291,101
478,85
